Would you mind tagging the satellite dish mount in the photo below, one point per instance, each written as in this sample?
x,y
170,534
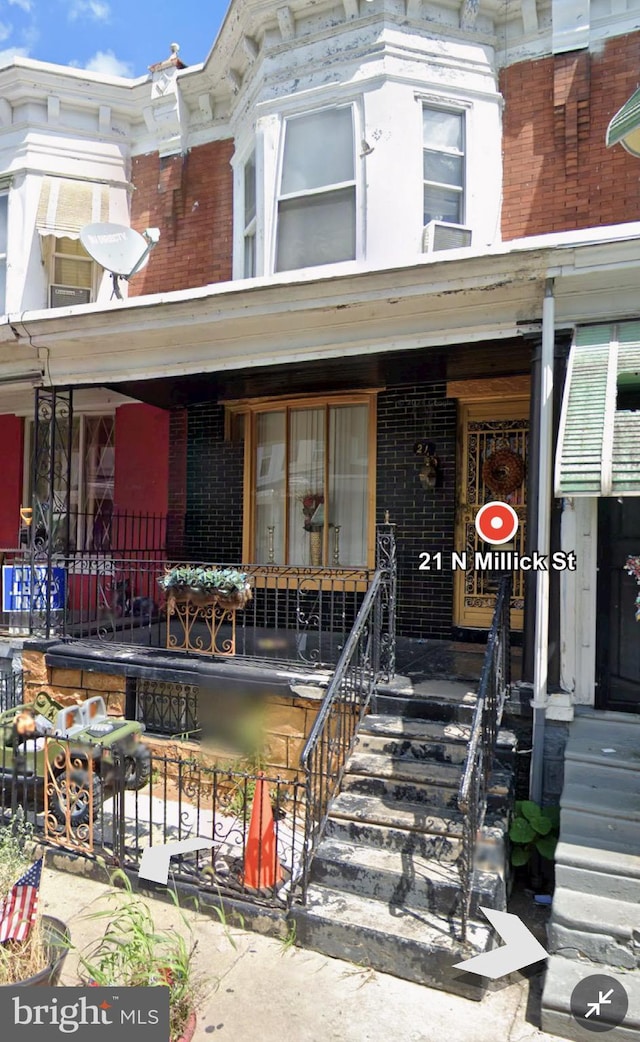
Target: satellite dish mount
x,y
121,251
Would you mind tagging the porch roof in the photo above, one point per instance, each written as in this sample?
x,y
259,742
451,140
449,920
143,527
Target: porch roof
x,y
598,444
461,296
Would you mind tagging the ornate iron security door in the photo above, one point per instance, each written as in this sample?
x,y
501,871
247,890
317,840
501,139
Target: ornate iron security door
x,y
486,428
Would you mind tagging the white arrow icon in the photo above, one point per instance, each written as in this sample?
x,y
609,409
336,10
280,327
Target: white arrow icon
x,y
521,948
154,863
603,1000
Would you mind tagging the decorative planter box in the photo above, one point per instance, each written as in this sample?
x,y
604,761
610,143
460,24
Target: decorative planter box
x,y
200,614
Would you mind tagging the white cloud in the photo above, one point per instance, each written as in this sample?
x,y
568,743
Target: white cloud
x,y
98,10
7,56
106,63
5,31
25,5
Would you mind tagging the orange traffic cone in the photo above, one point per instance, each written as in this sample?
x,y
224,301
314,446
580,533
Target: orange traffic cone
x,y
262,868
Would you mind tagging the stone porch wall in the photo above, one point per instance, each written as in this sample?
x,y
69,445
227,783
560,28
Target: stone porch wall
x,y
288,719
71,686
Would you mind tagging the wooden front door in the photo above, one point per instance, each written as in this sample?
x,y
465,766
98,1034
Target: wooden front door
x,y
485,427
617,632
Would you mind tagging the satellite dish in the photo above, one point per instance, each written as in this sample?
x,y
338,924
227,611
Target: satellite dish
x,y
120,250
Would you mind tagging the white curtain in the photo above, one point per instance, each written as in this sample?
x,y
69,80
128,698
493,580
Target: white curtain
x,y
344,506
348,469
306,477
270,486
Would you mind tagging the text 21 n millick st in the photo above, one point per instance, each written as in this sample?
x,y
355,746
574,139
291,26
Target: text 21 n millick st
x,y
498,561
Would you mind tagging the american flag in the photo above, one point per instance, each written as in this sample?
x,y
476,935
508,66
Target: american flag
x,y
20,906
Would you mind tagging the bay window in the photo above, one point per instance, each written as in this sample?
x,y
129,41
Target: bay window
x,y
443,165
310,482
316,213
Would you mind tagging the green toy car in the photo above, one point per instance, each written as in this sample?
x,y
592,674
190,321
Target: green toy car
x,y
28,733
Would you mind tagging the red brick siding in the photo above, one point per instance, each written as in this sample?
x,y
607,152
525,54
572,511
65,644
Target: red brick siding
x,y
558,174
190,199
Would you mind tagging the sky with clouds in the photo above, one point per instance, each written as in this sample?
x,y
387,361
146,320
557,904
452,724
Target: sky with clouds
x,y
115,37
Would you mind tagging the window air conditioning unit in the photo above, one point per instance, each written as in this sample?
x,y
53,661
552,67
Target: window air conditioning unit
x,y
438,235
65,296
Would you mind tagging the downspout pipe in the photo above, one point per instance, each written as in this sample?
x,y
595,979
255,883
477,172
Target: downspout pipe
x,y
543,543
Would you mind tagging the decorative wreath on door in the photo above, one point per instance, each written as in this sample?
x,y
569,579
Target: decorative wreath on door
x,y
503,471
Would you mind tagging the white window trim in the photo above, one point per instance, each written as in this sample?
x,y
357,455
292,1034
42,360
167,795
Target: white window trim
x,y
250,230
4,192
457,110
253,146
354,104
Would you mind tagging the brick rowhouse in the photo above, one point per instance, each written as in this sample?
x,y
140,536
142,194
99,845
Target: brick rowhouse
x,y
190,199
558,175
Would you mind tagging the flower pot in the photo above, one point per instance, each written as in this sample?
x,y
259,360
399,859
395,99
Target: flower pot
x,y
200,599
57,938
189,1030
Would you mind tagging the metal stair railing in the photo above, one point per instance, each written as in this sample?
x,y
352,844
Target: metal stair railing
x,y
367,656
494,686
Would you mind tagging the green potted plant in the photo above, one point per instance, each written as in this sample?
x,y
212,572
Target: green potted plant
x,y
201,586
534,835
133,951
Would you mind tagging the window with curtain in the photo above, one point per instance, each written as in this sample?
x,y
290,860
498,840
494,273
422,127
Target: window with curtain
x,y
92,481
71,274
317,198
311,481
443,162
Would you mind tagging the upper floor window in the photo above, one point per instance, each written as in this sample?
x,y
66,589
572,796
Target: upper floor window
x,y
71,273
317,196
250,217
443,165
4,210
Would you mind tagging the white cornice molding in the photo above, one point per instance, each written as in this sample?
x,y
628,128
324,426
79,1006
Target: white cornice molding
x,y
262,44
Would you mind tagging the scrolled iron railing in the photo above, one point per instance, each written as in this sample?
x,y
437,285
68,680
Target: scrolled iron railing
x,y
494,686
367,656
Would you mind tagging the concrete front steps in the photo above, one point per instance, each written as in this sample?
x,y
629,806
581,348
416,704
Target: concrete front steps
x,y
595,920
384,888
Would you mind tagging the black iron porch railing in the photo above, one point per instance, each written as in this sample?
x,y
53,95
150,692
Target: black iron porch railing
x,y
80,797
494,687
103,530
296,614
84,800
368,655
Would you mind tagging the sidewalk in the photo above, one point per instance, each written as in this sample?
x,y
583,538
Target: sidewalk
x,y
257,987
